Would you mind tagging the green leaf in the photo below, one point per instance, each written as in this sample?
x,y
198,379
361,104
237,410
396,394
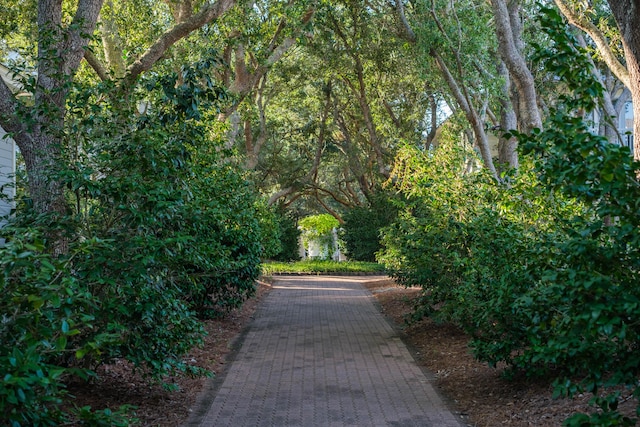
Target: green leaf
x,y
36,301
65,327
61,343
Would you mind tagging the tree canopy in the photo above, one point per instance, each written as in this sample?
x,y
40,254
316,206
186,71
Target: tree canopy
x,y
167,148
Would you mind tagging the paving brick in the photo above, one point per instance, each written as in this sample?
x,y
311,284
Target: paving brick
x,y
319,353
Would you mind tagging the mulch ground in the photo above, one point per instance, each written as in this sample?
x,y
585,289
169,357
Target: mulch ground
x,y
155,406
478,392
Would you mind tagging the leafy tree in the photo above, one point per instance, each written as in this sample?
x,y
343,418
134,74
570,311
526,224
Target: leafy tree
x,y
539,274
457,44
593,338
350,105
63,39
609,26
164,234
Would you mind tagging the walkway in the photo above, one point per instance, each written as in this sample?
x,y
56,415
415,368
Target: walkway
x,y
319,353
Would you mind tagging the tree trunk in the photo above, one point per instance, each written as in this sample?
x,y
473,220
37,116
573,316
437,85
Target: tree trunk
x,y
434,122
609,115
111,41
507,148
509,40
471,115
361,94
39,135
60,51
627,15
253,148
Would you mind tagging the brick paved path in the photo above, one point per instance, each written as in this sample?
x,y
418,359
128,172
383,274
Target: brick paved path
x,y
319,353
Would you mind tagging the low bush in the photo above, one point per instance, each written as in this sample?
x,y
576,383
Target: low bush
x,y
321,267
48,323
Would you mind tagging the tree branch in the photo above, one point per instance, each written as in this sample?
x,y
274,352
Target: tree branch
x,y
180,11
83,25
97,66
242,88
470,113
392,115
407,31
327,208
207,14
334,196
598,38
280,194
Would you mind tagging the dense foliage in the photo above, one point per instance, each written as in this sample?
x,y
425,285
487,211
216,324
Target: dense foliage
x,y
152,222
543,273
160,234
289,237
362,224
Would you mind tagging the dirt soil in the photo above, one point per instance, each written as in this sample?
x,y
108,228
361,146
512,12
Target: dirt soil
x,y
477,392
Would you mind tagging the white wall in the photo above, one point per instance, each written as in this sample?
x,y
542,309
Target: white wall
x,y
7,172
8,151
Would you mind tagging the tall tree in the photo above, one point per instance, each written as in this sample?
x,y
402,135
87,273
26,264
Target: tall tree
x,y
60,48
62,42
510,43
457,43
617,48
578,15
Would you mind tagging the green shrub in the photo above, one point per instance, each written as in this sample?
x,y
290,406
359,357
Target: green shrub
x,y
289,237
47,324
468,243
543,273
590,299
160,233
271,233
361,229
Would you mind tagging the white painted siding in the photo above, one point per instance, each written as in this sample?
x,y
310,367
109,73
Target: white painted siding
x,y
626,125
7,173
8,153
